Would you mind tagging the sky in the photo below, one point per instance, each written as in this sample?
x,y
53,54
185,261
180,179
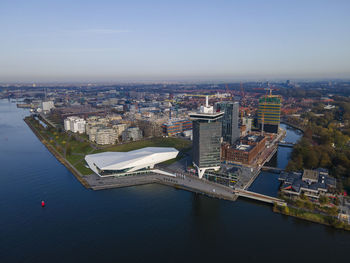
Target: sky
x,y
102,40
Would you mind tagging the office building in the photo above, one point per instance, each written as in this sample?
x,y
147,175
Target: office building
x,y
206,139
176,126
230,128
269,113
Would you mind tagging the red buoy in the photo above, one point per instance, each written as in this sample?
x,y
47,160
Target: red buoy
x,y
42,203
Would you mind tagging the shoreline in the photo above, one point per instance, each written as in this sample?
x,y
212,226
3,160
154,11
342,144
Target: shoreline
x,y
121,182
86,184
58,156
344,226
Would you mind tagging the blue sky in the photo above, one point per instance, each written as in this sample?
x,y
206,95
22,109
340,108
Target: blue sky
x,y
104,40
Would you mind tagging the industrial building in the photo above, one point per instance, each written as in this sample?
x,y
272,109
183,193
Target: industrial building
x,y
176,126
128,163
206,138
230,119
269,113
74,124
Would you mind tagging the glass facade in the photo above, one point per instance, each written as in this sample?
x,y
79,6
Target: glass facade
x,y
176,126
206,143
270,111
230,129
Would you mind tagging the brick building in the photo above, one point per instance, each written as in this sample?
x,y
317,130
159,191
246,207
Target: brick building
x,y
246,151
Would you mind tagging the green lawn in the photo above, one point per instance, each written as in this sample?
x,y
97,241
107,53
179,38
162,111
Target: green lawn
x,y
60,141
80,166
179,144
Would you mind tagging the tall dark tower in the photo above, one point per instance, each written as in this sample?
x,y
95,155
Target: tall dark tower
x,y
206,139
230,128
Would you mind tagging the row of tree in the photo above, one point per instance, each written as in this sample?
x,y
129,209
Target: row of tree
x,y
325,144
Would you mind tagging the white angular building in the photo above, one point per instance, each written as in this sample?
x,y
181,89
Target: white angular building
x,y
74,124
124,163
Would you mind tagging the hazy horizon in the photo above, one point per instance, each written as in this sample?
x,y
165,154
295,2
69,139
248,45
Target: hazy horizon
x,y
145,41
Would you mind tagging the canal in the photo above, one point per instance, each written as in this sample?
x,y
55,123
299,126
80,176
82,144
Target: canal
x,y
267,183
150,223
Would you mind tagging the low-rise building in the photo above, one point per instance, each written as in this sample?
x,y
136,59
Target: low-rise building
x,y
176,126
311,183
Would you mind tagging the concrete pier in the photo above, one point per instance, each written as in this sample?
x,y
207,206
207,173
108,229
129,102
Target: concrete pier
x,y
186,182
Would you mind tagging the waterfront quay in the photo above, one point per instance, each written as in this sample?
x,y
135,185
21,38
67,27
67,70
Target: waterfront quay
x,y
178,179
181,181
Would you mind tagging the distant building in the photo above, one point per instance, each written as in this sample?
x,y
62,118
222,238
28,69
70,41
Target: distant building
x,y
269,113
206,139
246,151
311,183
74,124
47,105
329,107
132,134
230,129
104,130
176,126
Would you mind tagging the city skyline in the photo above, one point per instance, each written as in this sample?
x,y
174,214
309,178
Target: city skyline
x,y
183,41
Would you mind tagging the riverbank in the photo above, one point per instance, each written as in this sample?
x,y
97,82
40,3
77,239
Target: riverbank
x,y
58,156
227,194
311,216
94,182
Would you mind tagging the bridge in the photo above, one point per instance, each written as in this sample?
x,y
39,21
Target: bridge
x,y
286,144
271,169
259,197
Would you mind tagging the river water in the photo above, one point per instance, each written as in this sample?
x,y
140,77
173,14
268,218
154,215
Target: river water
x,y
150,223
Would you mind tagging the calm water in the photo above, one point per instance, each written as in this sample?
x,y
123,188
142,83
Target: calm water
x,y
149,223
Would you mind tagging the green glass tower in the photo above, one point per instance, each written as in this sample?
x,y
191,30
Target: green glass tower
x,y
269,113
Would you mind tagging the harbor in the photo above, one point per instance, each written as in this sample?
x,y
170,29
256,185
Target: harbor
x,y
178,179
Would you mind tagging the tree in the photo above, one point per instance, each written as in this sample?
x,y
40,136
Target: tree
x,y
68,149
325,161
323,199
299,162
311,160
